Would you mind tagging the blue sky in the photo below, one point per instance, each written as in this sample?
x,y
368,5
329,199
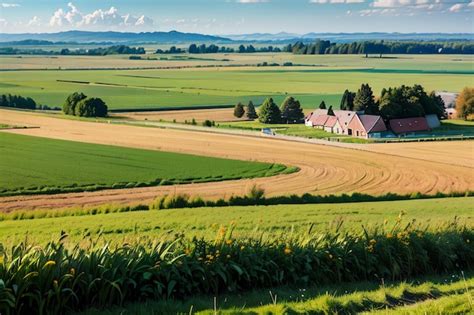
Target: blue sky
x,y
238,16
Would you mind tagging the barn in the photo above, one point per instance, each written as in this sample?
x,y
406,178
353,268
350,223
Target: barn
x,y
366,126
404,126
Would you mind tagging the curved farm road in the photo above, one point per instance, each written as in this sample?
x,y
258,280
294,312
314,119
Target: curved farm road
x,y
324,169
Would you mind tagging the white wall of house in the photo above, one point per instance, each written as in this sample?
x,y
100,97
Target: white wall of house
x,y
328,129
338,128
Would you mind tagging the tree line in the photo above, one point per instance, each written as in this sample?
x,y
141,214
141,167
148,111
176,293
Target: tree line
x,y
325,47
17,101
397,102
290,111
212,49
100,51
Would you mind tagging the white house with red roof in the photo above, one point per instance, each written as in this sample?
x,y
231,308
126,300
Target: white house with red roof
x,y
347,122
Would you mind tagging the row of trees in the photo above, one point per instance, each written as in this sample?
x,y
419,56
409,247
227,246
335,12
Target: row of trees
x,y
397,102
249,111
78,104
321,47
172,50
100,51
212,49
17,101
289,112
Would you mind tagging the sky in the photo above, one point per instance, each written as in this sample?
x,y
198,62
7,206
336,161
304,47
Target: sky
x,y
222,17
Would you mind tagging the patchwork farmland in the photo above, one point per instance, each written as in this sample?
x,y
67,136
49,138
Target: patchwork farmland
x,y
165,205
169,88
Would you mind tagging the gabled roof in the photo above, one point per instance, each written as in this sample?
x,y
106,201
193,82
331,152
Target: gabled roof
x,y
319,120
344,117
372,123
404,125
331,121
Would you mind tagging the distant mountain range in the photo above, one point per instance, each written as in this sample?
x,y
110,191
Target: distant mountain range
x,y
113,37
175,37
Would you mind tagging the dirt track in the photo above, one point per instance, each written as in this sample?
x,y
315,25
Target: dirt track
x,y
429,167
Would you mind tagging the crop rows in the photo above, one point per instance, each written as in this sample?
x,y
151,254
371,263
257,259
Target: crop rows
x,y
56,278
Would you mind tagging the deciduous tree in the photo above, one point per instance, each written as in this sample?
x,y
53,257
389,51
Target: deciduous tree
x,y
69,106
465,103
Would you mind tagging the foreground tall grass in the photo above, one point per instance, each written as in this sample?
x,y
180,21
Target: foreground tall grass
x,y
57,278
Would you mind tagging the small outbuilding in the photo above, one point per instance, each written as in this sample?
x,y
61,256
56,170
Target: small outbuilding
x,y
433,121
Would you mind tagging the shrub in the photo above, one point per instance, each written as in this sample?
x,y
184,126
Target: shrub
x,y
207,123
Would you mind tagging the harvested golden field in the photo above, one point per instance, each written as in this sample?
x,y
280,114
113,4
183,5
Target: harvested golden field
x,y
217,115
324,169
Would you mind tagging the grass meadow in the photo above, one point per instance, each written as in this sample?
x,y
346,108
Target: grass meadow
x,y
39,165
249,221
326,80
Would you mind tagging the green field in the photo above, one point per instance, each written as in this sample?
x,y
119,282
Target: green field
x,y
250,221
39,165
159,88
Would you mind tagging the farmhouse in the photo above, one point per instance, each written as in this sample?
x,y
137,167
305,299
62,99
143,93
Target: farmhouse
x,y
366,126
404,126
347,122
335,124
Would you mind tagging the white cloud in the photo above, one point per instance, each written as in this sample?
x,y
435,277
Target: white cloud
x,y
471,4
9,5
35,21
390,3
110,18
457,7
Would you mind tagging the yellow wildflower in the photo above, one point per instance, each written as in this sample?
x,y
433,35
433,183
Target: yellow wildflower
x,y
389,235
72,271
242,247
228,242
287,251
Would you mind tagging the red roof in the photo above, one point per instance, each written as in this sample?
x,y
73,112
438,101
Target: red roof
x,y
331,121
405,125
319,120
